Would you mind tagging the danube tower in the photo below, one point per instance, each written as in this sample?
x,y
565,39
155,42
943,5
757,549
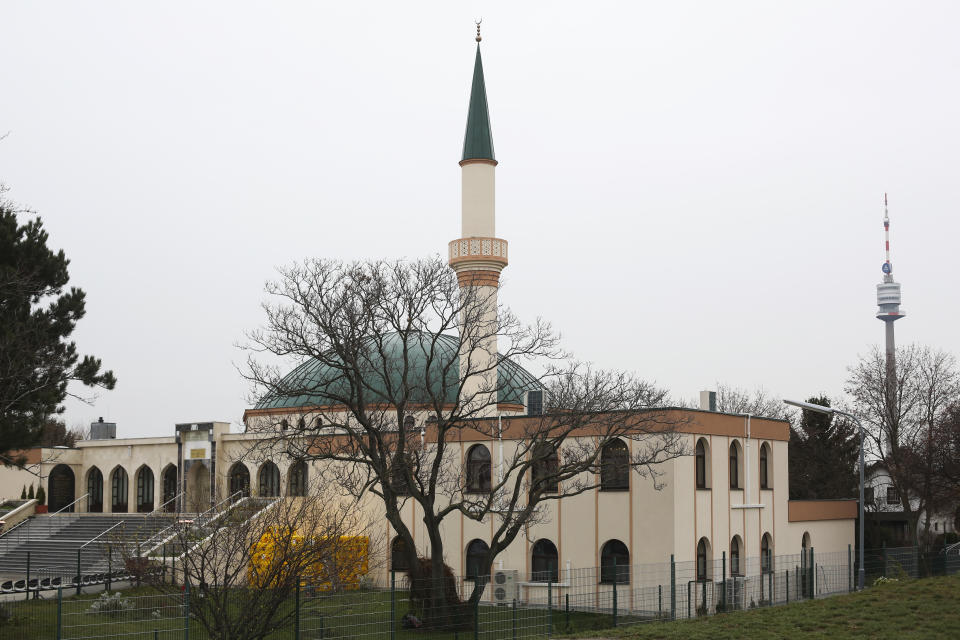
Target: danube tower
x,y
478,255
888,309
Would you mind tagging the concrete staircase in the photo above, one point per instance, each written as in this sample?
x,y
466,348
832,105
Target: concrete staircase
x,y
53,542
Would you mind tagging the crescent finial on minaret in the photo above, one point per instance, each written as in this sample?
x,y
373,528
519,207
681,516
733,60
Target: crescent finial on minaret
x,y
478,29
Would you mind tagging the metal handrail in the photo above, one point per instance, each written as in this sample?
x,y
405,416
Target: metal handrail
x,y
92,540
160,508
200,518
71,504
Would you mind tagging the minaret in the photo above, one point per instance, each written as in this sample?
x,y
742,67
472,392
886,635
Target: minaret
x,y
478,255
888,310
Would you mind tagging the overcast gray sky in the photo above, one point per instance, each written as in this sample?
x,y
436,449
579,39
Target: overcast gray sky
x,y
690,190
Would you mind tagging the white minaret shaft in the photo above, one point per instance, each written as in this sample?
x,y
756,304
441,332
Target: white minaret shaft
x,y
478,255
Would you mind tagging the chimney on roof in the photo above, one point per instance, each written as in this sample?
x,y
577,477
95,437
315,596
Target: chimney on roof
x,y
101,430
708,400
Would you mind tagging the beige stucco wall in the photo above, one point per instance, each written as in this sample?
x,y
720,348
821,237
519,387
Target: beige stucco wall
x,y
478,191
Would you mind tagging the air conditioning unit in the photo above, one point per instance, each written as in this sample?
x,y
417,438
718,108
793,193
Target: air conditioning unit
x,y
505,587
736,593
533,402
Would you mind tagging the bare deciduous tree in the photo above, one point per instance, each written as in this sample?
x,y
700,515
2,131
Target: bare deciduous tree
x,y
243,564
383,341
904,430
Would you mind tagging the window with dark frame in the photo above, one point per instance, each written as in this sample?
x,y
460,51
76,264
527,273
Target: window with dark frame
x,y
893,496
297,486
701,464
269,481
734,466
735,569
614,563
240,479
478,469
398,555
144,490
766,559
543,472
545,565
615,466
119,489
764,456
702,560
477,566
95,490
409,423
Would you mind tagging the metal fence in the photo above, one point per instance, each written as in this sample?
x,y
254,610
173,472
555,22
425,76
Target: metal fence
x,y
570,600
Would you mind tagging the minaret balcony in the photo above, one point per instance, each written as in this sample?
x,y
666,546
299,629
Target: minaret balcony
x,y
490,252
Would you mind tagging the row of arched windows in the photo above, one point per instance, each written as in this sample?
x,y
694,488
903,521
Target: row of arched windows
x,y
735,466
268,479
544,561
119,490
736,568
614,468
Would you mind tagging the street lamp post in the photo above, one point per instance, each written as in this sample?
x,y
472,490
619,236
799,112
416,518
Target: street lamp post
x,y
831,411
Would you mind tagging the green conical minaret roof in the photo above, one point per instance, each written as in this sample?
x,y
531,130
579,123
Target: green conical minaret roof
x,y
478,141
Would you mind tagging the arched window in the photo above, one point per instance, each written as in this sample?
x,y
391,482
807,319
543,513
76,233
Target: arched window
x,y
766,553
169,481
765,466
546,562
144,490
269,480
614,563
543,472
615,466
805,541
94,490
735,466
297,479
478,469
736,569
301,424
398,555
409,423
703,560
240,479
398,475
119,490
477,566
702,461
284,424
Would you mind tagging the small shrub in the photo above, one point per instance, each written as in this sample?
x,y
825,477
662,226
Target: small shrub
x,y
30,493
884,580
41,496
110,604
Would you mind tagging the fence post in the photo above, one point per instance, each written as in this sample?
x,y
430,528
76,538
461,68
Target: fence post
x,y
109,567
673,589
849,568
549,606
393,604
139,564
186,609
787,583
566,597
813,576
770,588
614,592
79,577
659,600
883,551
688,600
514,623
476,620
27,584
723,583
296,615
59,612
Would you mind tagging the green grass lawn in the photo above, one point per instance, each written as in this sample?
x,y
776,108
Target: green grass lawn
x,y
927,608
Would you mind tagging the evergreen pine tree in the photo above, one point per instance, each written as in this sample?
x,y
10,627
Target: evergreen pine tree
x,y
30,493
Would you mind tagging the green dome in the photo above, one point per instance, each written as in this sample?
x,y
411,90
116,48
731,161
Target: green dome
x,y
305,386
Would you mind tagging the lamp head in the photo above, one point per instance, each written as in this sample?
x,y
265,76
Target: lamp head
x,y
810,406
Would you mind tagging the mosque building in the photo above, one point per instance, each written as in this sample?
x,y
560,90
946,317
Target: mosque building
x,y
730,496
